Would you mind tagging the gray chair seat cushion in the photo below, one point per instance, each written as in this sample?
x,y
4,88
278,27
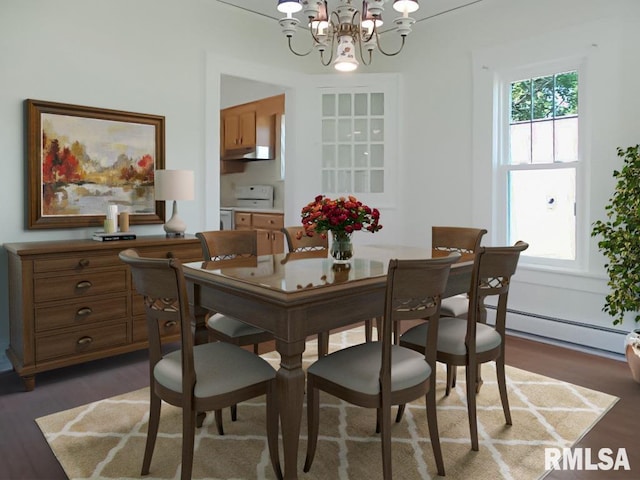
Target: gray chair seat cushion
x,y
456,306
220,368
231,327
451,333
358,368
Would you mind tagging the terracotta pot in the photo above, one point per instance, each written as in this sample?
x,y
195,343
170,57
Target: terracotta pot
x,y
632,352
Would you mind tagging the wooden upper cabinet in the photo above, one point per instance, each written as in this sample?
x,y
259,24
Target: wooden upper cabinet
x,y
239,129
243,127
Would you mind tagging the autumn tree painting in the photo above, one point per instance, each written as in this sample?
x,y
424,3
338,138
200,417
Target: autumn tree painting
x,y
88,163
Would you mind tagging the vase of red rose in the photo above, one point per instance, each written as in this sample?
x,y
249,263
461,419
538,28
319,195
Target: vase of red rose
x,y
341,217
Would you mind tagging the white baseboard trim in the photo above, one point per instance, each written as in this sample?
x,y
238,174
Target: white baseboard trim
x,y
594,339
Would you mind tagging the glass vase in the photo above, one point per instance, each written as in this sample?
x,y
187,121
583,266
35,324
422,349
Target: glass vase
x,y
341,247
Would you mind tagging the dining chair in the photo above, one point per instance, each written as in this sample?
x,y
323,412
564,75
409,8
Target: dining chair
x,y
227,247
299,241
381,374
469,343
465,240
199,378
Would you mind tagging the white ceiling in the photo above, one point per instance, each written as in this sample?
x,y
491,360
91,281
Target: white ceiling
x,y
428,8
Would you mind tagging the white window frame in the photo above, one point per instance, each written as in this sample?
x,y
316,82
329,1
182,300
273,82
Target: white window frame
x,y
389,85
502,166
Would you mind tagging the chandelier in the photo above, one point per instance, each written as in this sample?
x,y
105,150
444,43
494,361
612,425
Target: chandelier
x,y
344,28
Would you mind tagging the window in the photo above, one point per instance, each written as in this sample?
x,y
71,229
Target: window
x,y
353,142
539,167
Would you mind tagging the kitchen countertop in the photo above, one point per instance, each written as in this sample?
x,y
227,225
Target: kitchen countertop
x,y
253,209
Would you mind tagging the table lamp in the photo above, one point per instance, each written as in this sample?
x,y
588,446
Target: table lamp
x,y
174,185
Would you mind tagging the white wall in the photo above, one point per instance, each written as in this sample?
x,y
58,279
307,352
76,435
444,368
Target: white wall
x,y
147,56
165,57
448,137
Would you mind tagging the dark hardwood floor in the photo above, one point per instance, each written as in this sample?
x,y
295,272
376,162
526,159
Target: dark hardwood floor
x,y
24,454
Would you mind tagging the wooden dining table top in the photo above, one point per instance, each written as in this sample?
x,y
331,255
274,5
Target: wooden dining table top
x,y
299,275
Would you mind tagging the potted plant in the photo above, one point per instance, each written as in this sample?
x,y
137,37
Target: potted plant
x,y
620,243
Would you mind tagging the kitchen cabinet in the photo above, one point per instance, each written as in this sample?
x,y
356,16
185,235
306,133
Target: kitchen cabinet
x,y
267,225
73,301
239,129
250,132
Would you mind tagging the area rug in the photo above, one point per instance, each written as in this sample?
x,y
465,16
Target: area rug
x,y
105,439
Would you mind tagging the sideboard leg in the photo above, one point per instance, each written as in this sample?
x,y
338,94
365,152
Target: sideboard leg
x,y
29,382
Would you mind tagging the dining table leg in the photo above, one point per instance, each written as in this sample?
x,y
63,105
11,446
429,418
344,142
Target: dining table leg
x,y
290,384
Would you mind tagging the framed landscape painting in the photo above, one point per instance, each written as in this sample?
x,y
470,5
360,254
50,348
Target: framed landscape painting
x,y
81,159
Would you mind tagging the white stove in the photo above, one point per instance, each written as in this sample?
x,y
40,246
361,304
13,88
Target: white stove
x,y
254,196
246,196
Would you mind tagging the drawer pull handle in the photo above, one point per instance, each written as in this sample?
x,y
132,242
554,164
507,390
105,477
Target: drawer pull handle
x,y
83,312
170,324
85,341
84,262
170,255
84,284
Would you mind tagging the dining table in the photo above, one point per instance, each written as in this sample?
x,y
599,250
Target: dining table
x,y
297,296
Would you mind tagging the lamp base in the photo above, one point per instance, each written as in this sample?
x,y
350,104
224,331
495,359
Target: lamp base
x,y
175,227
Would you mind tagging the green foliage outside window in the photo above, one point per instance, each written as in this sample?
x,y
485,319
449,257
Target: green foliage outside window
x,y
544,97
620,239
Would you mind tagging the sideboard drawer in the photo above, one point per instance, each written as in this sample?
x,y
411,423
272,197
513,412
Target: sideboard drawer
x,y
80,341
189,253
82,312
76,263
74,286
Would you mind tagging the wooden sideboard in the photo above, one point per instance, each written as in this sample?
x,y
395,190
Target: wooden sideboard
x,y
73,301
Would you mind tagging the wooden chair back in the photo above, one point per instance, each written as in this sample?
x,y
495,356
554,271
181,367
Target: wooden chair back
x,y
414,292
219,245
491,276
161,283
465,240
299,241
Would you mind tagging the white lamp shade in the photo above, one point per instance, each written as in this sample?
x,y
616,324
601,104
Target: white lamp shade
x,y
174,185
346,55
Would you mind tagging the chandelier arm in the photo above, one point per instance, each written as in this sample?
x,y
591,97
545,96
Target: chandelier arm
x,y
387,53
297,53
331,50
328,62
374,30
365,62
360,50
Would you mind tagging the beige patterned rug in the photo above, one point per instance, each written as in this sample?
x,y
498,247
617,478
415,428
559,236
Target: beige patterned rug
x,y
105,439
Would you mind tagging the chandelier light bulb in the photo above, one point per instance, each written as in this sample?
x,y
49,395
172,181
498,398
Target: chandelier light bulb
x,y
320,23
369,20
405,6
289,6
